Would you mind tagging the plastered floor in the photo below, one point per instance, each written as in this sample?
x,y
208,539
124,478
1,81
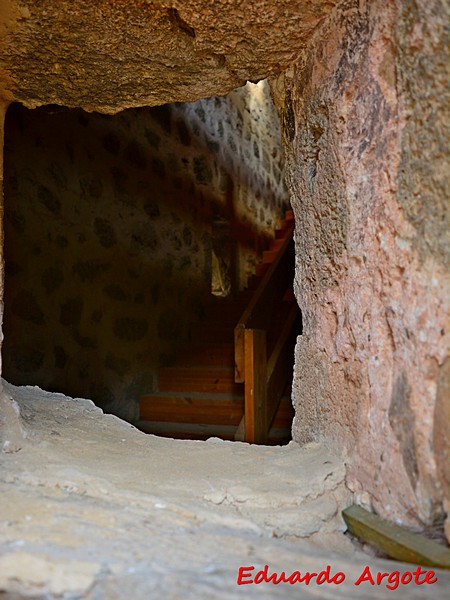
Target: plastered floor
x,y
92,508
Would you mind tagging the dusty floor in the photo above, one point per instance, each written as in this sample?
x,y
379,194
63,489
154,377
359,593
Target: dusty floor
x,y
92,508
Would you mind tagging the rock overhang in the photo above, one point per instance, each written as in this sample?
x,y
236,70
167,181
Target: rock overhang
x,y
110,55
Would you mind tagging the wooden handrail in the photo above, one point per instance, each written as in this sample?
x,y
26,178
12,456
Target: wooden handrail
x,y
255,314
264,376
258,313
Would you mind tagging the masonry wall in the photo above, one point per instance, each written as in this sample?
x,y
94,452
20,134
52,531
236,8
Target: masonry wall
x,y
110,227
364,119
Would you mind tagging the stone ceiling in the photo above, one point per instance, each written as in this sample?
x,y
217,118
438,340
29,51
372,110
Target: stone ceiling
x,y
113,54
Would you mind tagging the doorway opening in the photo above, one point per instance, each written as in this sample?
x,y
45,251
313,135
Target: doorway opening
x,y
121,231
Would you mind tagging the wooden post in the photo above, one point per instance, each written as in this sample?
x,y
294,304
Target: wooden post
x,y
255,386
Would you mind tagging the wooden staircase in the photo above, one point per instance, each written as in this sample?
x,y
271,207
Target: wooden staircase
x,y
203,396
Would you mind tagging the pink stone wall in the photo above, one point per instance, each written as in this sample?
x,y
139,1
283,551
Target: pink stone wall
x,y
364,123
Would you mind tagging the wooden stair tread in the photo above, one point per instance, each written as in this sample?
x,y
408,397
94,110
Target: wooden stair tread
x,y
195,372
191,408
195,418
194,398
268,256
276,244
200,386
205,357
196,361
203,431
223,386
197,431
200,416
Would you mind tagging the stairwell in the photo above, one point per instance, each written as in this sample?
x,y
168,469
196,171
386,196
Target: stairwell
x,y
198,397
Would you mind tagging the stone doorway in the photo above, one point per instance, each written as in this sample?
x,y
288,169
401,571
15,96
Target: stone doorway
x,y
113,225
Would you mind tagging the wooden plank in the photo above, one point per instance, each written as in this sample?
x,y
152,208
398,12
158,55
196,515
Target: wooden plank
x,y
201,385
187,431
255,386
193,419
276,244
187,372
192,397
184,410
207,355
279,366
395,541
183,416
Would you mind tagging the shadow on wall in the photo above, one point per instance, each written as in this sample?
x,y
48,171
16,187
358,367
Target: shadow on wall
x,y
108,245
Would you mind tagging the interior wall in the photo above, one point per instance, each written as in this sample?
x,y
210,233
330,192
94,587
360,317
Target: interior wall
x,y
108,223
364,109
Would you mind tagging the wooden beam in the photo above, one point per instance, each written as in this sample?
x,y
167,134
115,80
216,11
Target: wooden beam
x,y
255,386
395,541
225,410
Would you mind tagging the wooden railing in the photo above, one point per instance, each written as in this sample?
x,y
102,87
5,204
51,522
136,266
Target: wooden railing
x,y
265,376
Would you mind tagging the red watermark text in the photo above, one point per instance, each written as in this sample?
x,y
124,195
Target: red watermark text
x,y
391,580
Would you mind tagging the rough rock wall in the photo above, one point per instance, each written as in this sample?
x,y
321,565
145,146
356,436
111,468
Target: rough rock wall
x,y
113,54
109,235
365,116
